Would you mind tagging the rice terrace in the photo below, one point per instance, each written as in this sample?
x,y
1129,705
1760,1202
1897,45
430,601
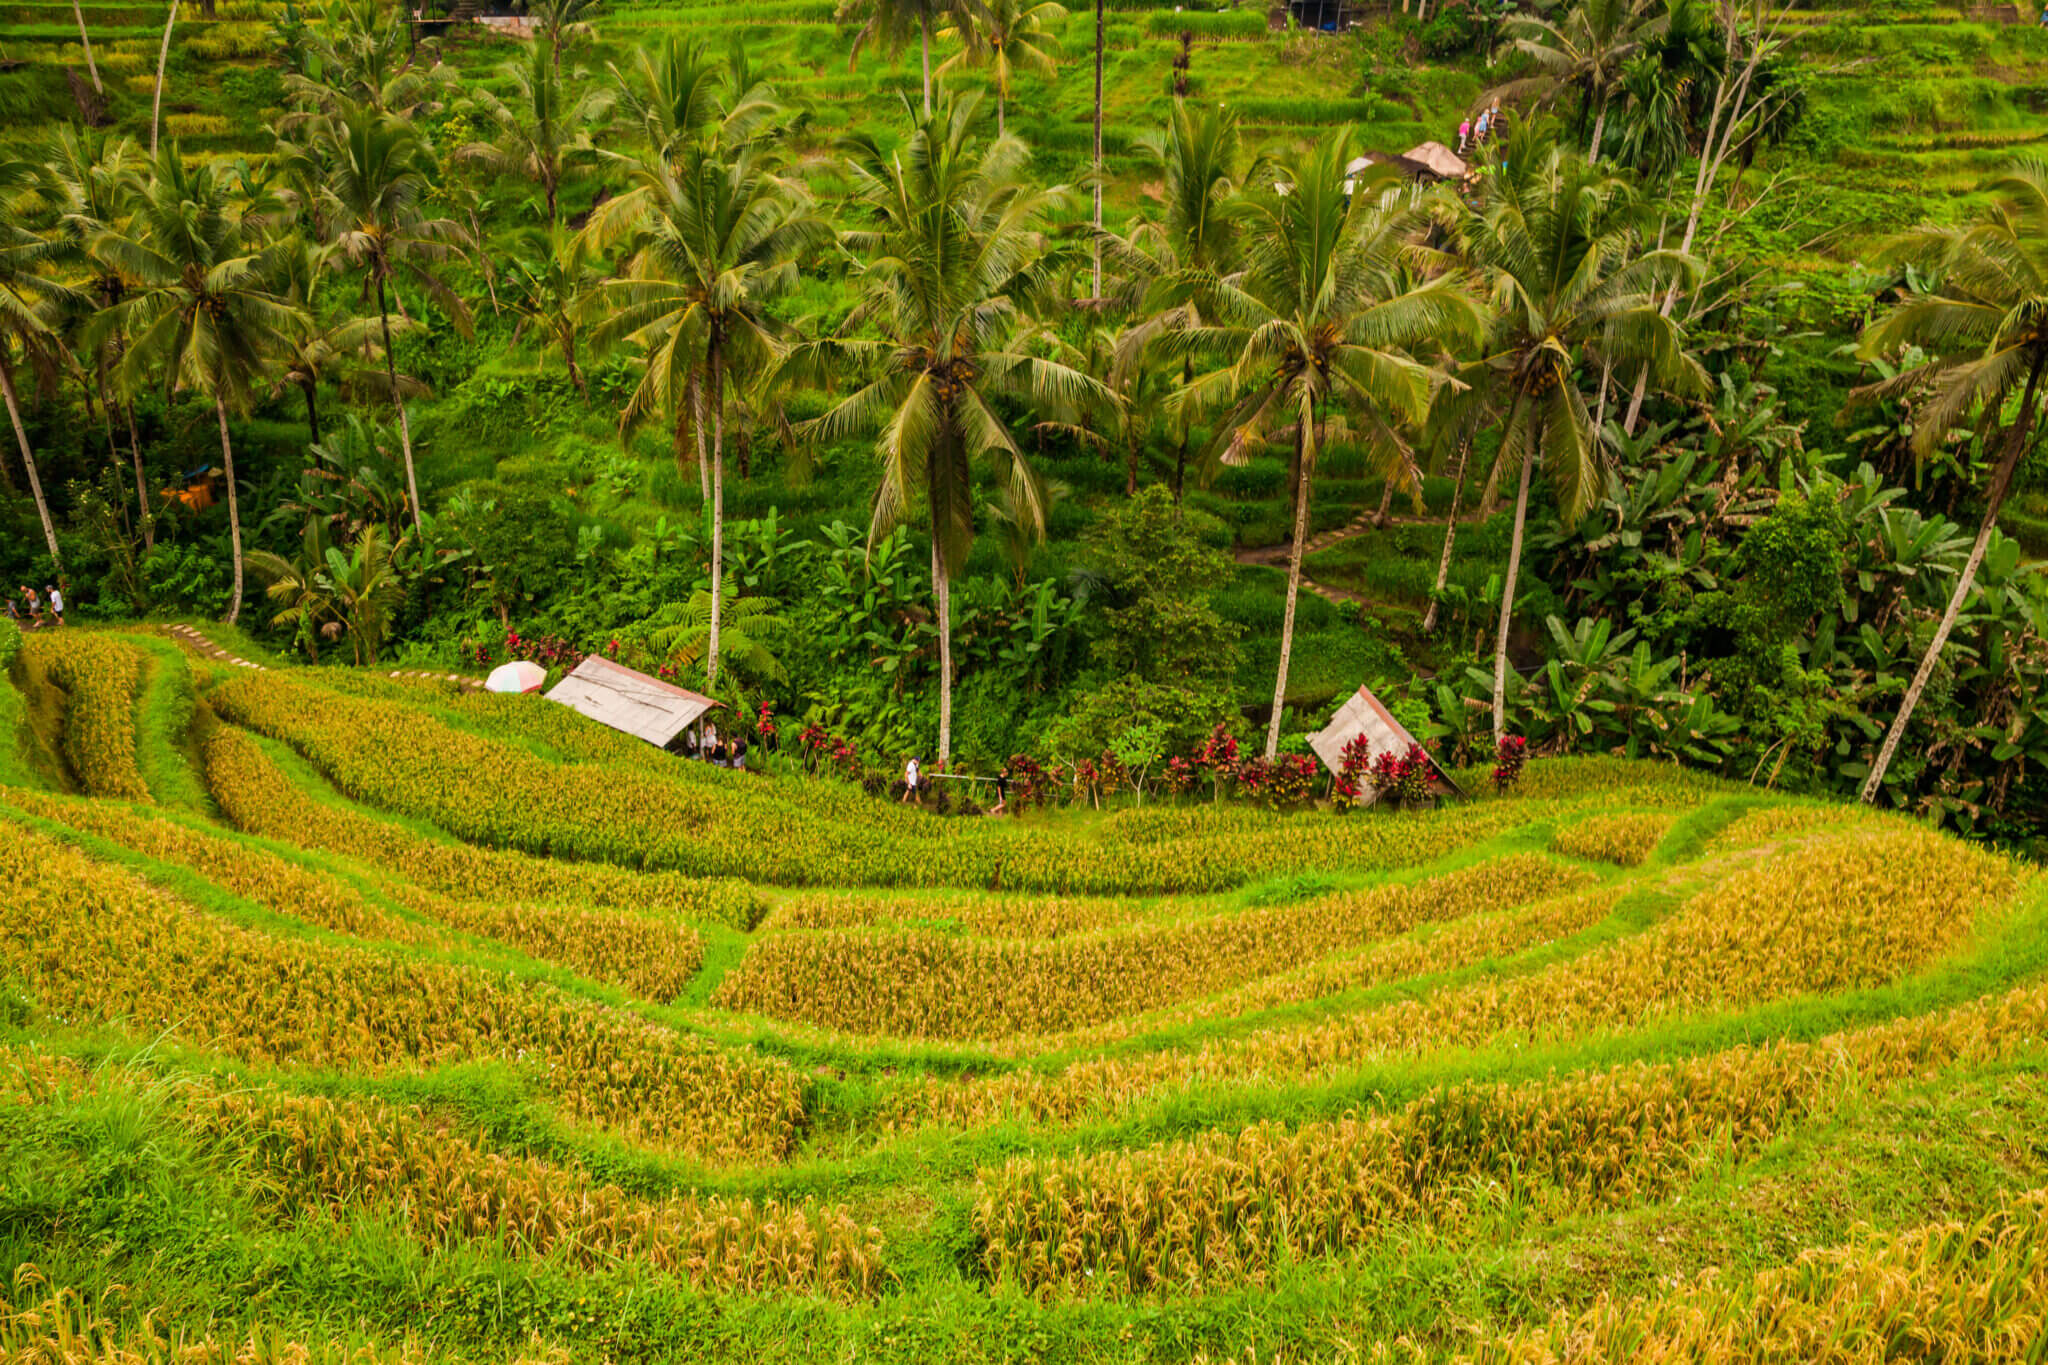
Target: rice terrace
x,y
956,681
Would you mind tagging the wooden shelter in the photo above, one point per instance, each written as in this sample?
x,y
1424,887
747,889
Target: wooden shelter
x,y
1365,715
1439,160
631,702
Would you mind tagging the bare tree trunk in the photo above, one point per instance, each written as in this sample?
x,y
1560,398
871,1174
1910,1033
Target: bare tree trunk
x,y
942,588
227,459
1443,563
412,482
311,390
717,515
28,462
2001,480
1000,101
1097,244
924,44
1302,487
163,56
1380,517
85,41
1599,127
1507,597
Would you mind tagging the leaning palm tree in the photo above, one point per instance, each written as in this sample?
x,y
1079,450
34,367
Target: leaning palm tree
x,y
1322,329
1008,36
379,174
205,313
1985,326
716,239
85,41
542,132
31,305
1555,249
951,240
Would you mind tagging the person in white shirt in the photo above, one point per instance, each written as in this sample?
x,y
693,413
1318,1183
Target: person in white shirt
x,y
56,603
910,776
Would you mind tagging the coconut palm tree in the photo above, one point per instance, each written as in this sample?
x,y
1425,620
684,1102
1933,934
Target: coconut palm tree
x,y
1555,247
543,131
952,239
562,19
376,190
1322,328
90,177
32,304
1985,327
1171,265
342,347
1584,51
888,24
715,239
676,96
85,41
547,281
205,312
1007,36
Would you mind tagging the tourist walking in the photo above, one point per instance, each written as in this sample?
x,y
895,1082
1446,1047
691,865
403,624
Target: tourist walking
x,y
1464,134
56,603
1481,129
910,778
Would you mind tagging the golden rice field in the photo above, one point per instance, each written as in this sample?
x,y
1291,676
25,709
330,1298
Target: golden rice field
x,y
345,1018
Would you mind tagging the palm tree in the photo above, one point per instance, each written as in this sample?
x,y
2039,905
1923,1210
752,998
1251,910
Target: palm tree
x,y
547,285
1173,265
299,590
163,57
90,178
1323,325
1985,326
681,633
560,19
889,24
1008,36
31,304
1584,51
675,97
542,132
1554,248
952,239
716,239
335,346
379,174
204,311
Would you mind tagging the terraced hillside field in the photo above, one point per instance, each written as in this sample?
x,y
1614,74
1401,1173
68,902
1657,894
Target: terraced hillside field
x,y
352,1017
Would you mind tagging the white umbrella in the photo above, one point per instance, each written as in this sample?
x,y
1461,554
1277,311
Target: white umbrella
x,y
516,677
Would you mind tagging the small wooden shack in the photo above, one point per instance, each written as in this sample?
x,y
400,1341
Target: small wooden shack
x,y
1365,715
630,701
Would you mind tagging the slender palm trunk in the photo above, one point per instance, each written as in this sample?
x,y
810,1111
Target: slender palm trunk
x,y
1386,508
696,397
311,390
1507,596
227,459
924,47
412,481
1306,460
85,41
28,463
717,514
1096,290
163,57
141,483
2001,480
1599,127
942,588
575,370
1443,563
1000,102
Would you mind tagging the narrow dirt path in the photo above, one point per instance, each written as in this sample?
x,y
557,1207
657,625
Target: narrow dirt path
x,y
207,649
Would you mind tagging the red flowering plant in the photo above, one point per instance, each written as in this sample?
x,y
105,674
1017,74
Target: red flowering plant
x,y
1507,764
846,758
764,724
815,743
545,650
1030,783
1217,758
1291,781
1352,770
1179,776
1403,776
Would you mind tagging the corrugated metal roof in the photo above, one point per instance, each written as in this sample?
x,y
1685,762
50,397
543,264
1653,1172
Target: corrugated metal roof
x,y
646,708
1364,715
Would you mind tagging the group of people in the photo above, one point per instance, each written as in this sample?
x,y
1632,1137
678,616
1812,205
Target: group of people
x,y
715,749
32,610
1474,136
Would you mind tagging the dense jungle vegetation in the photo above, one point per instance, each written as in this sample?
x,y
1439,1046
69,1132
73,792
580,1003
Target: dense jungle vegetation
x,y
866,364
